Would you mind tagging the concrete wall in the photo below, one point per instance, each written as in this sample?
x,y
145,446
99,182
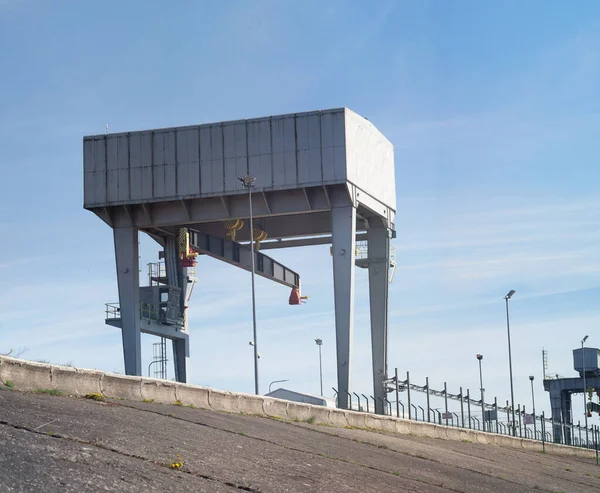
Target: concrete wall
x,y
26,375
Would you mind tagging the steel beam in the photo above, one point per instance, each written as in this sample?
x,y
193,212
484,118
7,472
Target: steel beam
x,y
239,255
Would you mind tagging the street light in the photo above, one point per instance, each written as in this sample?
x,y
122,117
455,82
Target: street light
x,y
533,405
585,413
320,343
277,381
512,393
248,183
479,358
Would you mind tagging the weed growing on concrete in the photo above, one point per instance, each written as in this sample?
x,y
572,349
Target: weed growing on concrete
x,y
178,403
568,469
396,473
310,420
177,464
49,391
467,441
148,400
95,396
191,406
9,384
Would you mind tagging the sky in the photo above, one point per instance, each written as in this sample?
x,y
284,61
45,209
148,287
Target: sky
x,y
493,109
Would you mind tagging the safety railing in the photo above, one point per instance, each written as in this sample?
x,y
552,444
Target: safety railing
x,y
112,311
472,414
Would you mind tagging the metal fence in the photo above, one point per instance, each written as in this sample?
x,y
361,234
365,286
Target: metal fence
x,y
475,415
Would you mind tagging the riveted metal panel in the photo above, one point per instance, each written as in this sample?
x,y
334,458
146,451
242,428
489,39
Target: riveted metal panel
x,y
123,184
147,148
170,181
170,147
147,182
112,184
112,155
135,185
158,180
193,178
122,152
88,155
158,156
135,150
89,188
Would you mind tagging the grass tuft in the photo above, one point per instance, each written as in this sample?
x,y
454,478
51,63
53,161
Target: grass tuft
x,y
95,396
49,391
9,384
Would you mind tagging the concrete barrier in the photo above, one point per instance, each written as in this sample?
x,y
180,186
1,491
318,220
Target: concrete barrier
x,y
338,418
276,408
299,411
158,391
76,381
221,400
321,415
25,375
121,386
355,419
192,395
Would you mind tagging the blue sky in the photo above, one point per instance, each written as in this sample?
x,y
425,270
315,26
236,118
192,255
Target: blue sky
x,y
494,112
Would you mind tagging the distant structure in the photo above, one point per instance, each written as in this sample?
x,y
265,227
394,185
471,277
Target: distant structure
x,y
291,395
324,177
561,389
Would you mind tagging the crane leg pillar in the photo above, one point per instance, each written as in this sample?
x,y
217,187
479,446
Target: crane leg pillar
x,y
180,355
343,226
378,241
126,255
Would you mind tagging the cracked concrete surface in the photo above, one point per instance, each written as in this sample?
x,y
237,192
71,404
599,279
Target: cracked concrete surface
x,y
52,443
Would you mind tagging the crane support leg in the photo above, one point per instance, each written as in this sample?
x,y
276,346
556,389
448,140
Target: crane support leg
x,y
180,355
126,255
343,226
379,260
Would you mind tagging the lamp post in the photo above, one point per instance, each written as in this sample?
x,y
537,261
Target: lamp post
x,y
277,381
533,405
584,395
248,183
479,358
320,343
512,393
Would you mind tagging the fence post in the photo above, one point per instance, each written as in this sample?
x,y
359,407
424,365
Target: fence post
x,y
510,425
543,432
462,407
428,407
397,398
519,414
496,412
469,407
446,402
596,434
408,393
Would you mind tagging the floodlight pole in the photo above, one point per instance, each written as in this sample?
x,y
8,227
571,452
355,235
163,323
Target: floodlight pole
x,y
479,358
248,183
531,378
512,394
584,395
320,343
